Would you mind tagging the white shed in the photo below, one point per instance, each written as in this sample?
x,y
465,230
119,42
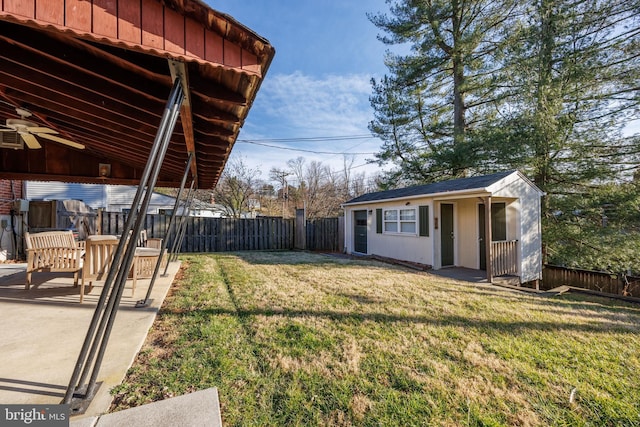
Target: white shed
x,y
457,223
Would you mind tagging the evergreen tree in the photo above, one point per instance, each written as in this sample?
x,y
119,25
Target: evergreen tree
x,y
574,82
575,69
598,230
447,87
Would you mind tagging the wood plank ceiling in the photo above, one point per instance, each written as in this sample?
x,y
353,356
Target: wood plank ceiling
x,y
99,73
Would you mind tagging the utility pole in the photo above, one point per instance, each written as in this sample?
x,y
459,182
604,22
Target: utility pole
x,y
282,177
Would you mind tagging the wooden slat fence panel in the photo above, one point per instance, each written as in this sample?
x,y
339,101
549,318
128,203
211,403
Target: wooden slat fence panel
x,y
228,234
554,276
323,235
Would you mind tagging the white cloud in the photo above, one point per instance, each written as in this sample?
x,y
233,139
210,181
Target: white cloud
x,y
333,105
301,106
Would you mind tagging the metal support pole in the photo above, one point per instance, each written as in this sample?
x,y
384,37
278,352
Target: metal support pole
x,y
98,336
183,225
122,274
147,301
92,337
177,227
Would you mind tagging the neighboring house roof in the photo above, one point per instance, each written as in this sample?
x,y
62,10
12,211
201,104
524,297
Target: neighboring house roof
x,y
201,205
124,195
476,183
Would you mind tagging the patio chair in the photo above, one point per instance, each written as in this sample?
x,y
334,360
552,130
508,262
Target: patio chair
x,y
99,256
99,251
145,258
52,251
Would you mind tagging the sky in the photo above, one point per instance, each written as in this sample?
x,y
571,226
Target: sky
x,y
318,85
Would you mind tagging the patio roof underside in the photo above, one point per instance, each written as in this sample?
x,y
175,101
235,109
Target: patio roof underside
x,y
102,77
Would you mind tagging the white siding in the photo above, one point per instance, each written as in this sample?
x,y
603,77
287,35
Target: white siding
x,y
529,232
93,195
121,196
412,248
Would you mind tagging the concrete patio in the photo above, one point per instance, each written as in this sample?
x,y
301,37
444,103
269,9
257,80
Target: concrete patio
x,y
42,331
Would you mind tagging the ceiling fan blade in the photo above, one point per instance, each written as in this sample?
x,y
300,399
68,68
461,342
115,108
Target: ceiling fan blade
x,y
30,140
61,140
37,130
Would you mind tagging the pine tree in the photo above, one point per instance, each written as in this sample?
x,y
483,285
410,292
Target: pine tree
x,y
575,83
434,98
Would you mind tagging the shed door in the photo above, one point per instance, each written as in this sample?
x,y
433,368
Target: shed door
x,y
498,228
360,231
446,234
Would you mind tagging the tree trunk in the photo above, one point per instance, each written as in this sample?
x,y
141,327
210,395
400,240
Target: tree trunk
x,y
459,119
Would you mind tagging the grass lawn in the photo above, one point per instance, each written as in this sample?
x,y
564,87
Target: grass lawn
x,y
298,339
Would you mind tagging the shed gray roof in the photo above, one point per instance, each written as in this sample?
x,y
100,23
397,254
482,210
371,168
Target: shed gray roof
x,y
472,183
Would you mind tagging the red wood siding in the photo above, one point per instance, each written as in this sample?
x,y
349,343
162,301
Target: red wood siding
x,y
78,15
20,7
51,12
152,24
105,18
130,22
213,47
173,31
194,39
146,23
232,54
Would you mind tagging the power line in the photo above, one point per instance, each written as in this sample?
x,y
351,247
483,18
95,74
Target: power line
x,y
246,141
312,138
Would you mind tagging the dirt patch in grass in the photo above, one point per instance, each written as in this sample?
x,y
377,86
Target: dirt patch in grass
x,y
292,338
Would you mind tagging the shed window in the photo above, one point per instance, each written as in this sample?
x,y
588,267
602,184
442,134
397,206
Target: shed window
x,y
400,221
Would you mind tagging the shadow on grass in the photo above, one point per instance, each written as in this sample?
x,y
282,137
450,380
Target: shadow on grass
x,y
339,261
511,327
298,257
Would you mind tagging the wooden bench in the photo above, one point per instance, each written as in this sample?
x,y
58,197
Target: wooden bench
x,y
52,251
99,253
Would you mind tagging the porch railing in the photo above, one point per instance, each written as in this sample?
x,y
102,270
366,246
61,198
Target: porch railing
x,y
504,257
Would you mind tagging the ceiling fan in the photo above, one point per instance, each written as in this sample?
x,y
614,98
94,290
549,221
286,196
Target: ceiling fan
x,y
21,130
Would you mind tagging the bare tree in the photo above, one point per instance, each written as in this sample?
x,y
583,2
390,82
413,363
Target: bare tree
x,y
236,190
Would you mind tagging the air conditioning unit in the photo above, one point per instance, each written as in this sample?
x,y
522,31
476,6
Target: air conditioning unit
x,y
11,139
21,205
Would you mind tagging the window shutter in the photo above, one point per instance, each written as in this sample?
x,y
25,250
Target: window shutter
x,y
379,221
424,220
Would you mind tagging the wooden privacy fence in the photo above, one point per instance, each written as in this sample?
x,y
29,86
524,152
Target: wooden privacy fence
x,y
554,276
229,234
325,234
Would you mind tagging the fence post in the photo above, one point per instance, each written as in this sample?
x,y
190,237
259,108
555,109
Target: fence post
x,y
300,230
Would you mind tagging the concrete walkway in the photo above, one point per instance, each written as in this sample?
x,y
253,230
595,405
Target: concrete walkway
x,y
198,409
42,331
462,274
